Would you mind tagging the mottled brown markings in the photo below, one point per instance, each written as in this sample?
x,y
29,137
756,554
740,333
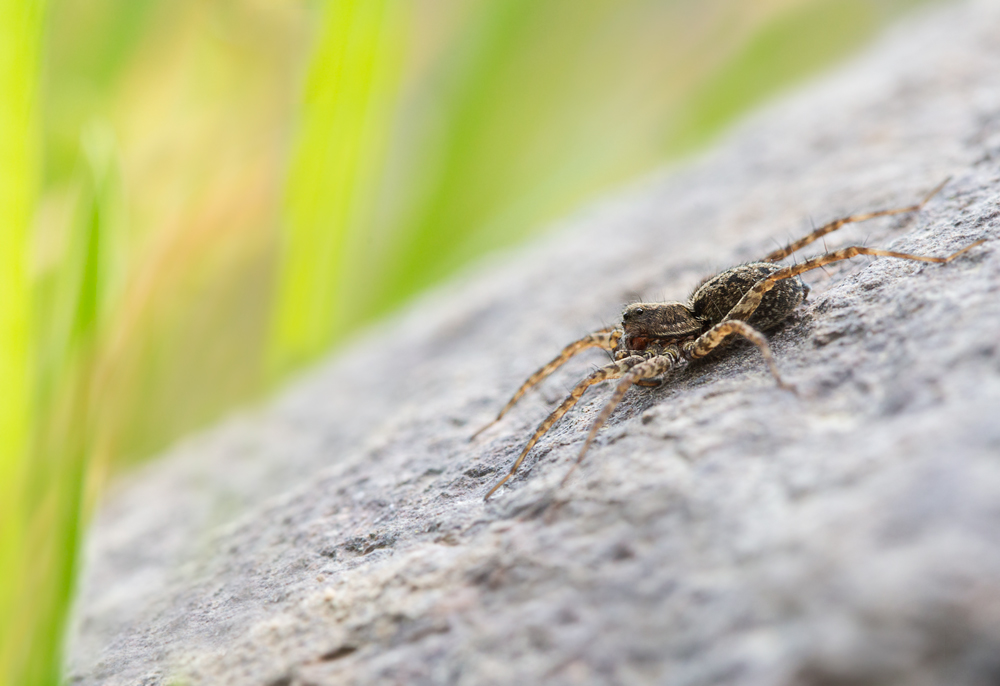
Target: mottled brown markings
x,y
652,338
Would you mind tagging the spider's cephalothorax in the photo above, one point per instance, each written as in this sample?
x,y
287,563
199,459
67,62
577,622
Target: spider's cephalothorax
x,y
653,337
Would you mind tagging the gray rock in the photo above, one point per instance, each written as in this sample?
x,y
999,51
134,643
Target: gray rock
x,y
721,531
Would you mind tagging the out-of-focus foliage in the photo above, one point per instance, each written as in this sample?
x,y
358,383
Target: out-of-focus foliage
x,y
191,104
495,117
28,507
213,193
347,111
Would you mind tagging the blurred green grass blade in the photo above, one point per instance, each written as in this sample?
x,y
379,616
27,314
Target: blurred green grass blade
x,y
45,416
344,123
20,38
69,333
74,303
54,529
87,287
466,177
90,278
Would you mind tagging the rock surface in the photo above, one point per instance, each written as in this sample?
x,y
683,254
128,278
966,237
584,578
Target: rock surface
x,y
721,531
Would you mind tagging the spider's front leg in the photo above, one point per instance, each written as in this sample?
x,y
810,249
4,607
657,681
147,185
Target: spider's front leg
x,y
714,337
606,339
655,366
612,371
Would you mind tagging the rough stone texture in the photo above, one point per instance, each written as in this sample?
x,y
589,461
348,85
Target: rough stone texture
x,y
721,531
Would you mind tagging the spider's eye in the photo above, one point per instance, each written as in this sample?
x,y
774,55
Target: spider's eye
x,y
638,311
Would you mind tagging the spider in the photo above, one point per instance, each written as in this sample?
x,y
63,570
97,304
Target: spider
x,y
654,337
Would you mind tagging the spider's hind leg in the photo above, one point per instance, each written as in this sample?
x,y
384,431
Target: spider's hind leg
x,y
751,300
850,219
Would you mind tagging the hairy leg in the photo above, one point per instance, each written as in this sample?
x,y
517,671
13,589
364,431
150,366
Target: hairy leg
x,y
660,364
604,339
611,371
714,337
837,223
749,303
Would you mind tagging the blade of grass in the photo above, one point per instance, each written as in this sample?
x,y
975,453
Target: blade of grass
x,y
344,123
67,412
464,183
20,39
44,489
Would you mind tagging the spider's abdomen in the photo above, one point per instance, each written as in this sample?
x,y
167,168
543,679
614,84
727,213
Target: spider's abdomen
x,y
716,297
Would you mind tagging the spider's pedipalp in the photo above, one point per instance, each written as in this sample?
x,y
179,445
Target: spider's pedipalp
x,y
611,371
606,339
850,219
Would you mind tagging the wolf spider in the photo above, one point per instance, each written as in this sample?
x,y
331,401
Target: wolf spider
x,y
654,337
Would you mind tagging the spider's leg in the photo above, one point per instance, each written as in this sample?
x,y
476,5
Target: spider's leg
x,y
749,303
611,371
711,339
655,366
604,339
837,223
